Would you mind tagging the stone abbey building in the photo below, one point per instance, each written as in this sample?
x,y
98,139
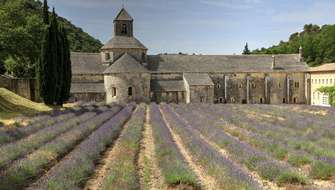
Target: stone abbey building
x,y
123,72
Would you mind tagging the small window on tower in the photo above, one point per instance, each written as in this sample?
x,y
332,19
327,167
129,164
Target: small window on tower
x,y
107,57
113,92
124,29
130,91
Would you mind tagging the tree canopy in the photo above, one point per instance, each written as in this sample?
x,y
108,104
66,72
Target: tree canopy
x,y
331,92
318,44
246,50
54,67
21,33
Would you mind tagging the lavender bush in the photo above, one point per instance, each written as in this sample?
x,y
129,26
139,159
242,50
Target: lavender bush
x,y
73,171
122,171
242,152
173,165
22,171
19,148
227,174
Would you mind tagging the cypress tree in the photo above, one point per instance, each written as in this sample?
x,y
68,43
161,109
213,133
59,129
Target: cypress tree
x,y
45,12
44,46
54,69
246,50
49,60
67,68
60,67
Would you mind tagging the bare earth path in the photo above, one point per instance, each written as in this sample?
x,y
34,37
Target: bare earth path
x,y
96,180
149,172
206,182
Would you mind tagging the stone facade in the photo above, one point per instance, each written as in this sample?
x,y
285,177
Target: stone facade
x,y
124,88
322,76
132,75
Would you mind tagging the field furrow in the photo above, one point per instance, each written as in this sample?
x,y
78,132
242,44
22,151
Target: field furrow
x,y
177,173
118,168
207,182
150,175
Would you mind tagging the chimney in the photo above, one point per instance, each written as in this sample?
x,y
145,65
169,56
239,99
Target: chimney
x,y
273,62
301,56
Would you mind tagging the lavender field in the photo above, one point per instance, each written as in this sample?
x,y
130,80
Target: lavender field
x,y
171,146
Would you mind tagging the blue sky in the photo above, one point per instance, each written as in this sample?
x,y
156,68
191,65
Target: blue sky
x,y
200,26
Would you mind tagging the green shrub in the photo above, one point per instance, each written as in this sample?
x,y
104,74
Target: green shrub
x,y
277,151
321,170
291,178
298,160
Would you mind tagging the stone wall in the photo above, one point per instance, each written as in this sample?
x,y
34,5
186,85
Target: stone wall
x,y
87,78
88,97
259,88
23,87
140,84
201,94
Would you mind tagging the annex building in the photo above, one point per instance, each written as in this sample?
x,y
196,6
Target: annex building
x,y
322,76
123,72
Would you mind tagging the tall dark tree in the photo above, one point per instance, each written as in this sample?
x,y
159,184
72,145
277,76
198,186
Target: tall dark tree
x,y
45,12
246,50
67,77
54,70
49,60
60,66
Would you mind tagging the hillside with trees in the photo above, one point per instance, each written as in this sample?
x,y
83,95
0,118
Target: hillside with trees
x,y
318,44
21,34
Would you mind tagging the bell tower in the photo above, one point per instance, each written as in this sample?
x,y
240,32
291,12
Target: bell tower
x,y
123,24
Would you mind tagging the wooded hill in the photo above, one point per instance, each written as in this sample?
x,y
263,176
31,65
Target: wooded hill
x,y
21,33
318,44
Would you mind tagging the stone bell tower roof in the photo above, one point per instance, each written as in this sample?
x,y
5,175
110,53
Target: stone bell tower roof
x,y
123,16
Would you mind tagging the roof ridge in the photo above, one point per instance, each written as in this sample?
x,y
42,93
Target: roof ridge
x,y
123,15
89,53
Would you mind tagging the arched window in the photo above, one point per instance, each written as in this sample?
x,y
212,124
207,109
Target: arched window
x,y
261,100
220,100
284,100
130,91
124,29
113,92
295,100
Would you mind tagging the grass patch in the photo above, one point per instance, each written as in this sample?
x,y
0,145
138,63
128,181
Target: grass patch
x,y
298,160
278,152
13,105
322,170
291,178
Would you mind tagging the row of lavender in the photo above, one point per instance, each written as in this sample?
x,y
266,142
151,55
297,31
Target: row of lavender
x,y
227,174
303,143
173,165
29,157
45,119
79,164
122,170
266,140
